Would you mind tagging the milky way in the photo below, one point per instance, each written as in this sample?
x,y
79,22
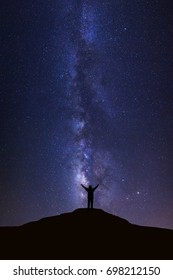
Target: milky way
x,y
91,165
86,98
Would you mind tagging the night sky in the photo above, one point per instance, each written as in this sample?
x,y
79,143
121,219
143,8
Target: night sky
x,y
86,96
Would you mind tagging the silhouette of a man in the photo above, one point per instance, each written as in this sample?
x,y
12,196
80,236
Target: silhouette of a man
x,y
90,191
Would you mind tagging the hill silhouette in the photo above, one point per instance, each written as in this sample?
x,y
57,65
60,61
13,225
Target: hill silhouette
x,y
85,234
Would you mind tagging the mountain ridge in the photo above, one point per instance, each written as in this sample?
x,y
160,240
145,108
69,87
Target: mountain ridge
x,y
85,234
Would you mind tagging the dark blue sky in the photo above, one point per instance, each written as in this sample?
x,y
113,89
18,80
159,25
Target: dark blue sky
x,y
86,97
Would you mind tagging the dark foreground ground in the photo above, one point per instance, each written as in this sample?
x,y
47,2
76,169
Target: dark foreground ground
x,y
85,234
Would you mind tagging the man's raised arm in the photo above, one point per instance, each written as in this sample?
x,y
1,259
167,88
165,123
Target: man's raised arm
x,y
84,187
96,187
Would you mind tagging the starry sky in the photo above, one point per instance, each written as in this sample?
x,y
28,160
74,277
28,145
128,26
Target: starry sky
x,y
86,97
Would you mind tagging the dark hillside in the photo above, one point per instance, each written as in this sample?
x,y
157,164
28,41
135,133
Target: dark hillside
x,y
85,234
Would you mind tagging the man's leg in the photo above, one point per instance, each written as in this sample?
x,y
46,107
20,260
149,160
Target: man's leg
x,y
88,203
92,203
